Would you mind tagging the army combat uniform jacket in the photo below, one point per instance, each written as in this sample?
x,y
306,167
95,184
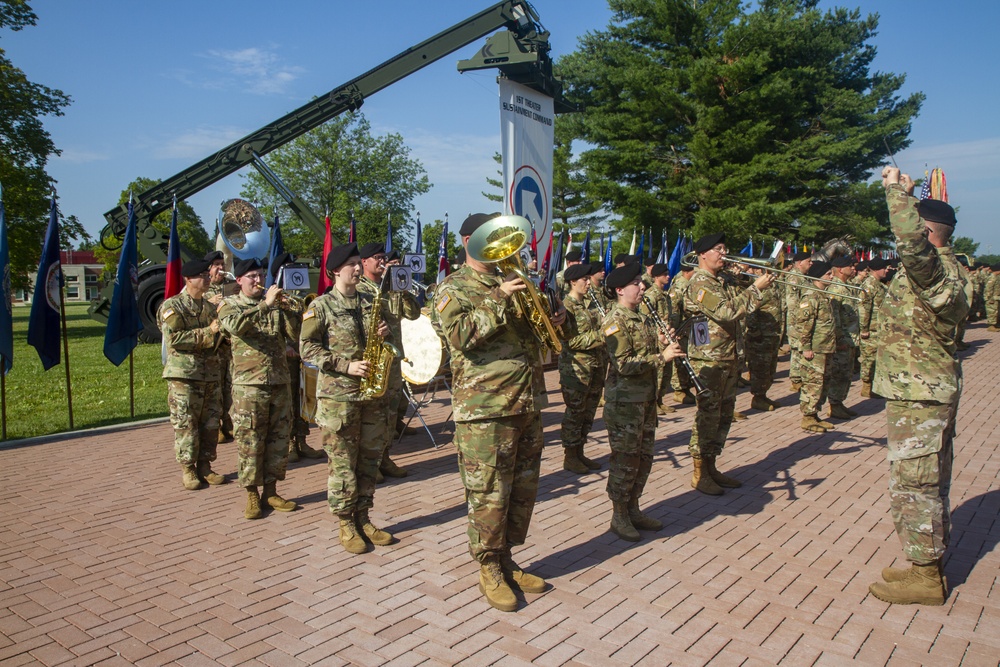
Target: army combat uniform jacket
x,y
191,344
258,334
707,301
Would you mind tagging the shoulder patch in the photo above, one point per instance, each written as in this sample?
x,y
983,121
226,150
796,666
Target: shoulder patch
x,y
612,330
700,296
167,313
308,314
443,302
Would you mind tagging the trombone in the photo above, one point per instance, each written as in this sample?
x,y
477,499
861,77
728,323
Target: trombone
x,y
690,261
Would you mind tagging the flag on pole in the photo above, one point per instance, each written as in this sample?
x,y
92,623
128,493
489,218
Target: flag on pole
x,y
631,248
553,261
443,252
419,250
6,312
674,265
277,248
601,256
388,234
608,265
664,255
352,235
586,249
175,282
642,243
124,325
534,243
649,244
43,324
748,248
324,281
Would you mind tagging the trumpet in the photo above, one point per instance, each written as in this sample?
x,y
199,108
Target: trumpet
x,y
699,388
690,260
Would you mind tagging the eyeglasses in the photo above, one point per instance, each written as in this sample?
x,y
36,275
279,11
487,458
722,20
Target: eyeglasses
x,y
722,250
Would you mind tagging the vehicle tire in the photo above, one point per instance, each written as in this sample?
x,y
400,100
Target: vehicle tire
x,y
150,297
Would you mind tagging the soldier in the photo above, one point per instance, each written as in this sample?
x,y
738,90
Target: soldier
x,y
842,362
712,350
871,303
355,430
573,257
221,282
373,262
656,294
917,371
763,340
583,365
801,261
816,330
992,295
260,325
497,396
191,334
630,399
681,381
596,299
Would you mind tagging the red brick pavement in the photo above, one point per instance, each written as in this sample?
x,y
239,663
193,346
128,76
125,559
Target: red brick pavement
x,y
105,559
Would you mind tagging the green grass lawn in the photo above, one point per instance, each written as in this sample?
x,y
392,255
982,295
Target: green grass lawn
x,y
36,399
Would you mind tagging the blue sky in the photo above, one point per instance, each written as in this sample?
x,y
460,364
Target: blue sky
x,y
157,86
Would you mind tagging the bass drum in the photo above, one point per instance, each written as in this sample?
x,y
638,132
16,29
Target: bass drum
x,y
422,350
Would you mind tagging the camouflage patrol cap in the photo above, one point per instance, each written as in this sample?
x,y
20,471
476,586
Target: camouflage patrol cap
x,y
195,268
709,241
933,210
623,275
818,269
340,254
371,249
577,271
245,266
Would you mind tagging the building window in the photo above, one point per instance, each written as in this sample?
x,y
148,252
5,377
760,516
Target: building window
x,y
72,292
72,279
90,279
91,293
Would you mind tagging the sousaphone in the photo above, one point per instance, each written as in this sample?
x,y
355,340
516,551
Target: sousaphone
x,y
243,229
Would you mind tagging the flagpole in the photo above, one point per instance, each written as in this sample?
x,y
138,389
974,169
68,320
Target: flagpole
x,y
3,395
131,386
69,387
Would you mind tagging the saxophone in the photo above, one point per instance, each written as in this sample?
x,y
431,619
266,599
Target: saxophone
x,y
378,353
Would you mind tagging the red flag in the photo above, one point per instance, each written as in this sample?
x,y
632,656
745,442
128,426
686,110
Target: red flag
x,y
324,281
544,272
174,283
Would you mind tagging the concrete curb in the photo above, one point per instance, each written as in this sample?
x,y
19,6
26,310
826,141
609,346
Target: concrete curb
x,y
85,433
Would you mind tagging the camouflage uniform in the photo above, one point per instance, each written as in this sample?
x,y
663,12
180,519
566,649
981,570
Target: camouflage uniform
x,y
583,364
842,362
498,393
630,400
708,301
871,303
355,430
664,308
192,374
225,353
917,371
261,403
991,294
680,380
764,331
816,329
794,293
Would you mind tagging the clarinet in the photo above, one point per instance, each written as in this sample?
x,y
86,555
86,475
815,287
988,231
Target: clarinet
x,y
699,388
597,304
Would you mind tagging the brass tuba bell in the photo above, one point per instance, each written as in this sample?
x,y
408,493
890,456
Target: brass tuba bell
x,y
499,242
243,230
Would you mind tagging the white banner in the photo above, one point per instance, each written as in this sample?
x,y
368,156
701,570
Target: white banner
x,y
528,137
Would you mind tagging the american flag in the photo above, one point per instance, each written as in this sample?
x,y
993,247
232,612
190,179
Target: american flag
x,y
443,252
925,189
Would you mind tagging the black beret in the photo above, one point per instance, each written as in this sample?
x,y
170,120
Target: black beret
x,y
474,222
244,266
818,269
995,267
624,257
623,275
574,256
195,268
933,210
394,255
650,260
340,254
862,266
577,271
659,270
876,264
214,256
841,262
280,261
598,267
709,241
460,257
799,256
962,260
895,261
371,249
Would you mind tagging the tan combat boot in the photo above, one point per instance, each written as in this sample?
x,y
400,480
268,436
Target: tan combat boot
x,y
189,478
590,463
761,403
923,584
376,535
640,520
722,480
293,452
389,469
493,585
252,510
796,386
518,578
702,480
305,451
839,411
206,473
812,424
275,501
738,416
349,536
621,524
685,397
892,574
866,390
572,462
662,409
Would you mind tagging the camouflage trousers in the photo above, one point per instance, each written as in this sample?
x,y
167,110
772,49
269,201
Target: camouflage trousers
x,y
815,382
354,436
841,371
795,364
869,346
261,422
715,406
194,414
631,433
680,380
581,406
992,311
499,460
664,377
762,359
396,403
299,427
226,385
921,451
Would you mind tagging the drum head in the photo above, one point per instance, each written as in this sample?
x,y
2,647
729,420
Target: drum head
x,y
421,350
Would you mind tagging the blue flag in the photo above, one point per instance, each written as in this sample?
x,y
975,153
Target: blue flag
x,y
6,314
586,249
43,324
674,265
748,248
607,257
277,247
122,333
388,235
642,242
